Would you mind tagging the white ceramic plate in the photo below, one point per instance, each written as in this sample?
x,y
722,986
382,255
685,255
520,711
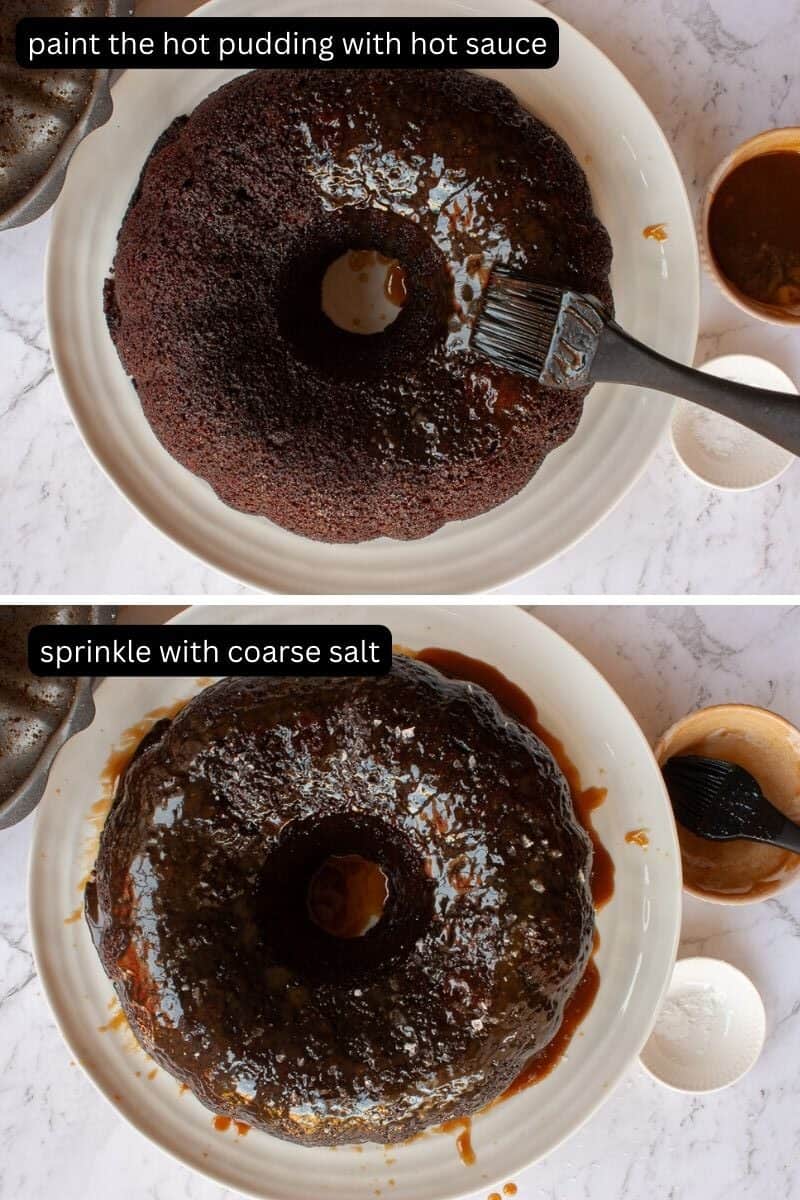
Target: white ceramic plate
x,y
638,928
635,183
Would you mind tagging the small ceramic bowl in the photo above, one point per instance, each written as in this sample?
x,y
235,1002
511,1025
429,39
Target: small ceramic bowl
x,y
770,141
720,452
766,745
710,1029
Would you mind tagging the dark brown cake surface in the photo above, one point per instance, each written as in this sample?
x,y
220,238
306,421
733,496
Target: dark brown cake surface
x,y
200,907
215,299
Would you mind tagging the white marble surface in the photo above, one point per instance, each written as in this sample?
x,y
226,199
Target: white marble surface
x,y
58,1137
713,73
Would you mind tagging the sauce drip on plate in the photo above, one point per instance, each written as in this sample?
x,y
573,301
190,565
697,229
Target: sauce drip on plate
x,y
464,1138
637,837
656,233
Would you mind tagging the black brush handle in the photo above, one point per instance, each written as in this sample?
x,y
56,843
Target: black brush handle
x,y
788,837
619,358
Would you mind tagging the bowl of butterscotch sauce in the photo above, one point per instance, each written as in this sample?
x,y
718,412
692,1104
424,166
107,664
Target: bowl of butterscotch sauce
x,y
751,226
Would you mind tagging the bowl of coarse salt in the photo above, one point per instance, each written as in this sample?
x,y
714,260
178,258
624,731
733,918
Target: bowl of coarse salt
x,y
709,1030
720,452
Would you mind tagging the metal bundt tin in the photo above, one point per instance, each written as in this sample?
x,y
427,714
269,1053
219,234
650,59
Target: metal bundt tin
x,y
44,115
37,715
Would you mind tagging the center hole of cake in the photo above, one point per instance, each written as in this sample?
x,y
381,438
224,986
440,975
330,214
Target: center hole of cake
x,y
347,895
363,291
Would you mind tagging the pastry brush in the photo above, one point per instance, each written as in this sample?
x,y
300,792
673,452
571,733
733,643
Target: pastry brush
x,y
564,339
720,800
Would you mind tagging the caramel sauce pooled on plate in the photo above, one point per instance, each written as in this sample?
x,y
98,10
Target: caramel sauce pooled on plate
x,y
395,285
347,895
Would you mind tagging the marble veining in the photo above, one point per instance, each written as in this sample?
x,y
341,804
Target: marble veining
x,y
714,74
59,1137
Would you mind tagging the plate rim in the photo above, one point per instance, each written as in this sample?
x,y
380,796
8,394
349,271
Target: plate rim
x,y
37,921
191,540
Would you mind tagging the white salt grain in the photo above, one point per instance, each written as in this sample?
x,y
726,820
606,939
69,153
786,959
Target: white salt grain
x,y
690,1019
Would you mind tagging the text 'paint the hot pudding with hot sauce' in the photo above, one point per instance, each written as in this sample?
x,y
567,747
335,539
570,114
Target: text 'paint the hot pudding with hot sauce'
x,y
218,303
345,910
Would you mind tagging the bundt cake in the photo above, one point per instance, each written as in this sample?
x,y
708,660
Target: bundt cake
x,y
214,302
220,909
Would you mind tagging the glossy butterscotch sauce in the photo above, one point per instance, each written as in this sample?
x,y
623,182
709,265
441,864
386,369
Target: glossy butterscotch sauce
x,y
754,228
223,1124
118,1021
656,233
576,1009
394,287
129,742
114,768
363,291
347,895
637,837
462,1128
512,698
585,800
362,262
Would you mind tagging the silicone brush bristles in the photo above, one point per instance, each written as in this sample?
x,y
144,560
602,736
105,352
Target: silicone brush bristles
x,y
517,322
539,330
719,800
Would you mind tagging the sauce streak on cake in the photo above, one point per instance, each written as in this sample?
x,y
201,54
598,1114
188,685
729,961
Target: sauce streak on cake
x,y
115,766
585,800
512,698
